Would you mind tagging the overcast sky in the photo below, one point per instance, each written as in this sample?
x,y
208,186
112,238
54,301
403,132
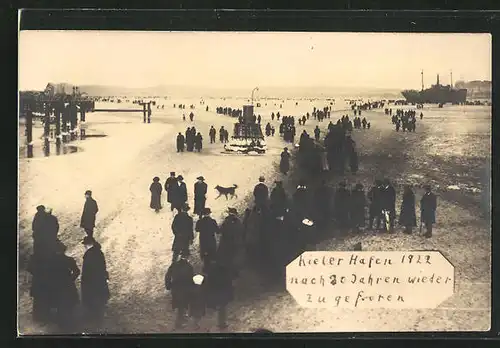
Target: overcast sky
x,y
246,60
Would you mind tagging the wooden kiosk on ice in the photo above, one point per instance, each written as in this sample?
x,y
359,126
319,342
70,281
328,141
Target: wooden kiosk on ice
x,y
247,135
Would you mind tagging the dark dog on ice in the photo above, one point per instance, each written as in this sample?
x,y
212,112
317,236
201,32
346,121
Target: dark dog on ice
x,y
226,191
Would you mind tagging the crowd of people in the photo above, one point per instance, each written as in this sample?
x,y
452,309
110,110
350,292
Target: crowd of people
x,y
405,120
271,233
53,289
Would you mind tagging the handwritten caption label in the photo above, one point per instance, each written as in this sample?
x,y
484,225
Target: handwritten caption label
x,y
385,279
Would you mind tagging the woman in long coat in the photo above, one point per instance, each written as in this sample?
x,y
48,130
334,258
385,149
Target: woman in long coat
x,y
357,209
155,190
407,217
94,284
285,161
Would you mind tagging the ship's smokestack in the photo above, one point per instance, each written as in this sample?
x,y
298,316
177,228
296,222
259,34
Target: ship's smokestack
x,y
437,82
451,79
422,73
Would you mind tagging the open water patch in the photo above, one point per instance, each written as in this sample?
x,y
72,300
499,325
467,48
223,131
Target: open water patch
x,y
40,151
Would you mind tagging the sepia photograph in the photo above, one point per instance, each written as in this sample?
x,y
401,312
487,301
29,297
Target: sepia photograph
x,y
253,182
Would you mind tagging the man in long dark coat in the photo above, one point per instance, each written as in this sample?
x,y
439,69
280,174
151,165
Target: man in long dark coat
x,y
285,161
212,133
207,227
407,216
428,205
357,209
200,191
261,194
278,200
231,243
182,228
90,210
375,198
180,194
41,286
198,142
180,142
219,289
94,281
179,281
171,186
389,202
39,227
64,274
221,134
341,207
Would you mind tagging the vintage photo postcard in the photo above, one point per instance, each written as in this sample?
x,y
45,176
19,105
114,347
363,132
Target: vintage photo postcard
x,y
236,182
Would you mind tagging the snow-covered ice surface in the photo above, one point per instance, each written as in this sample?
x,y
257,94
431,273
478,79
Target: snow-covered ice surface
x,y
118,169
137,242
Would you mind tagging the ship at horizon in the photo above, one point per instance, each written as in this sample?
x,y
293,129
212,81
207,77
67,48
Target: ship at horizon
x,y
437,94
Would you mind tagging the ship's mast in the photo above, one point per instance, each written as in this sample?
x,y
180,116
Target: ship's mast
x,y
422,73
451,79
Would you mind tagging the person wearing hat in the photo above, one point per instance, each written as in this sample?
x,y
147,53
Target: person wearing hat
x,y
182,228
180,141
94,280
261,194
342,204
90,209
171,186
375,207
357,208
179,281
231,243
39,227
198,142
428,205
200,191
155,189
285,161
407,216
179,198
207,228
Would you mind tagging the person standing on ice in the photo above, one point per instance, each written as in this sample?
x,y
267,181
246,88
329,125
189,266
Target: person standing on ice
x,y
200,191
219,291
180,142
389,202
182,228
285,161
90,210
198,142
94,281
207,228
221,134
231,244
261,194
155,190
179,281
357,207
212,133
317,133
171,185
191,117
407,216
278,200
179,197
342,206
428,205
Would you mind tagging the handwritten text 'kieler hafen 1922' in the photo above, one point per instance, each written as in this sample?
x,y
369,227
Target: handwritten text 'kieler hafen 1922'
x,y
377,278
